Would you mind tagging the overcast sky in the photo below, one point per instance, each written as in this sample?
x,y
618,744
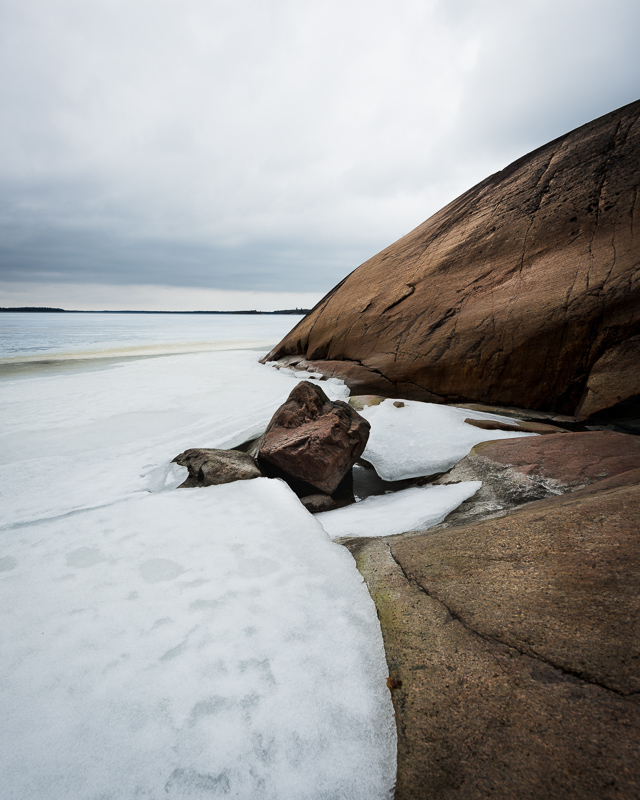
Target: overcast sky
x,y
194,154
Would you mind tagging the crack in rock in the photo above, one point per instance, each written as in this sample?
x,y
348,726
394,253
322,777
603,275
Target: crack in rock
x,y
493,640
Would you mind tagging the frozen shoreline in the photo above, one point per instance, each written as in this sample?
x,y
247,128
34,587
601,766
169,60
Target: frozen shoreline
x,y
33,337
117,354
71,363
201,641
171,643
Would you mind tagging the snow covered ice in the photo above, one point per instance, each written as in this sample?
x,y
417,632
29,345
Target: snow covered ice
x,y
194,643
416,508
198,643
423,438
106,433
159,643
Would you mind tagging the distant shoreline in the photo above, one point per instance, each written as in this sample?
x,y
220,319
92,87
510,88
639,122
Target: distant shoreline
x,y
44,310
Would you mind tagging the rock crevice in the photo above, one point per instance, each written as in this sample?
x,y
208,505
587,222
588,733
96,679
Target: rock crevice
x,y
421,586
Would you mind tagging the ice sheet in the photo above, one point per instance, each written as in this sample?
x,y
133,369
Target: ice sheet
x,y
88,438
423,438
197,643
417,508
98,336
160,643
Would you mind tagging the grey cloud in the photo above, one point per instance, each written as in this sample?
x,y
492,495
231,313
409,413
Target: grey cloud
x,y
77,255
548,67
275,146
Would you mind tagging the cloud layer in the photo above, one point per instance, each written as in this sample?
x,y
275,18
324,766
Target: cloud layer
x,y
274,146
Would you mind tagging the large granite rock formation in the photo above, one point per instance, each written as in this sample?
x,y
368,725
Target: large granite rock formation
x,y
524,291
513,647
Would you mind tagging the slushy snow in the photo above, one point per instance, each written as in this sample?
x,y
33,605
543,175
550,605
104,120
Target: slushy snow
x,y
422,439
413,509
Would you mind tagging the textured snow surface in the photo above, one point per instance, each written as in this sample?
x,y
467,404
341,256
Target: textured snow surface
x,y
183,644
423,438
202,643
417,508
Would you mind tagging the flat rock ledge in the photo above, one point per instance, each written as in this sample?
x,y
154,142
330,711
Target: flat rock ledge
x,y
518,471
513,643
513,650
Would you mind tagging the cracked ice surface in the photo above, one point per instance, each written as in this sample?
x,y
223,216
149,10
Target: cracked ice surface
x,y
88,438
413,509
423,438
157,643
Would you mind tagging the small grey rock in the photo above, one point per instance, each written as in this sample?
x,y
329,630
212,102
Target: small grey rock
x,y
318,502
209,467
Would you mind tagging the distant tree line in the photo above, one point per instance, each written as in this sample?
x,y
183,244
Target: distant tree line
x,y
35,308
46,310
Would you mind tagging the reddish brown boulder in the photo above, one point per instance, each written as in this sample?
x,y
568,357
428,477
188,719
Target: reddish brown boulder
x,y
524,291
313,439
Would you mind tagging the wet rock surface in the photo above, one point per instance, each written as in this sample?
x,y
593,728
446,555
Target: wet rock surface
x,y
524,291
513,647
312,441
210,467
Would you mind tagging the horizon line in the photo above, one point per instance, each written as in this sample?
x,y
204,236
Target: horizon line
x,y
52,310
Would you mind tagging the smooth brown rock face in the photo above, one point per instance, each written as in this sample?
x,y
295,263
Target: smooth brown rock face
x,y
210,467
313,439
524,291
572,459
514,649
613,378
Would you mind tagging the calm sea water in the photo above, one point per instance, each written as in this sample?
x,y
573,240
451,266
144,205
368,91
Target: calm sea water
x,y
32,337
